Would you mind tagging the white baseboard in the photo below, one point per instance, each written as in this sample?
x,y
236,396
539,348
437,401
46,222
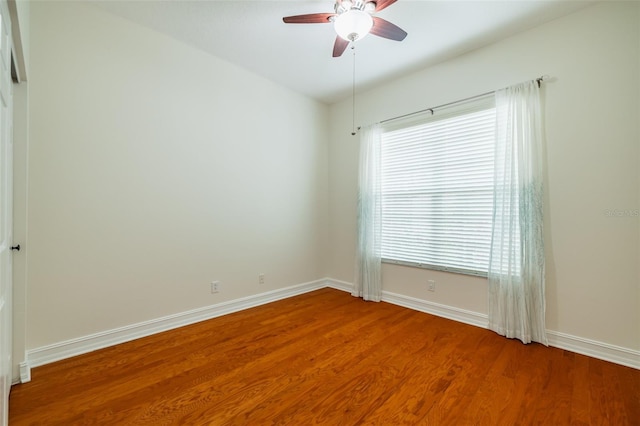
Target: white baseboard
x,y
595,349
580,345
339,285
450,312
25,372
69,348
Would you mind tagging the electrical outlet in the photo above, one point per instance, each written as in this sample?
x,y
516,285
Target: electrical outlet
x,y
215,286
261,279
431,285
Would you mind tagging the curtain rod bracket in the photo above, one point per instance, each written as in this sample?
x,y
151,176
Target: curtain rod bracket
x,y
540,79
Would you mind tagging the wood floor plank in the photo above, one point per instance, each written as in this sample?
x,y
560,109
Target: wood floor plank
x,y
365,383
265,377
433,373
325,371
472,360
328,358
485,408
605,383
580,391
224,363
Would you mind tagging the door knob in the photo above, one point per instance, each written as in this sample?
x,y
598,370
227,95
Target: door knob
x,y
16,247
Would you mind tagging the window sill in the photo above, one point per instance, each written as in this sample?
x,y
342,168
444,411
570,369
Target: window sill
x,y
482,274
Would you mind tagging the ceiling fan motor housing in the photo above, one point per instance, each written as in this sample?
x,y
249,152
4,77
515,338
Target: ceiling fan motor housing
x,y
342,6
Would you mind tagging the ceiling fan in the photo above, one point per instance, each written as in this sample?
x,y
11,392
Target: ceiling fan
x,y
353,19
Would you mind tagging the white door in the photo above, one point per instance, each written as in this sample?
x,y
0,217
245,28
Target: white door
x,y
6,210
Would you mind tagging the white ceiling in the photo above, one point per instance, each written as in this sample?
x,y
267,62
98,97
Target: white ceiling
x,y
252,35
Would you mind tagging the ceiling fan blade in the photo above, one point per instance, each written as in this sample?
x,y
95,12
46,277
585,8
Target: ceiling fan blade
x,y
313,18
339,47
383,4
386,29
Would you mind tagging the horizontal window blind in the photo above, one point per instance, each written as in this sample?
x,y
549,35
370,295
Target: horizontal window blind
x,y
437,190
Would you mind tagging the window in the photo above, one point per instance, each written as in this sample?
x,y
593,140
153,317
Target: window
x,y
437,188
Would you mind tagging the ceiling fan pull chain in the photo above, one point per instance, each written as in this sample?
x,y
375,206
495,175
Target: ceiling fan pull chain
x,y
353,93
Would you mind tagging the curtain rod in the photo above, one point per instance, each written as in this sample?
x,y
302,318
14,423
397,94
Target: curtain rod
x,y
538,80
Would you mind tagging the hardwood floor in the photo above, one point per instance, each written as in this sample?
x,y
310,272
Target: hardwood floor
x,y
330,359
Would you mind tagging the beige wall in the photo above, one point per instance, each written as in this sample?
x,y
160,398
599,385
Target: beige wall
x,y
154,169
591,109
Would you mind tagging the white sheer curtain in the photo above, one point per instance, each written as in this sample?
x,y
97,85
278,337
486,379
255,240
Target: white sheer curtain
x,y
516,266
368,279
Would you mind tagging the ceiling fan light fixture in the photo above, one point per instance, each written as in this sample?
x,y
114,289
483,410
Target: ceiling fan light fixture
x,y
370,7
353,24
346,4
